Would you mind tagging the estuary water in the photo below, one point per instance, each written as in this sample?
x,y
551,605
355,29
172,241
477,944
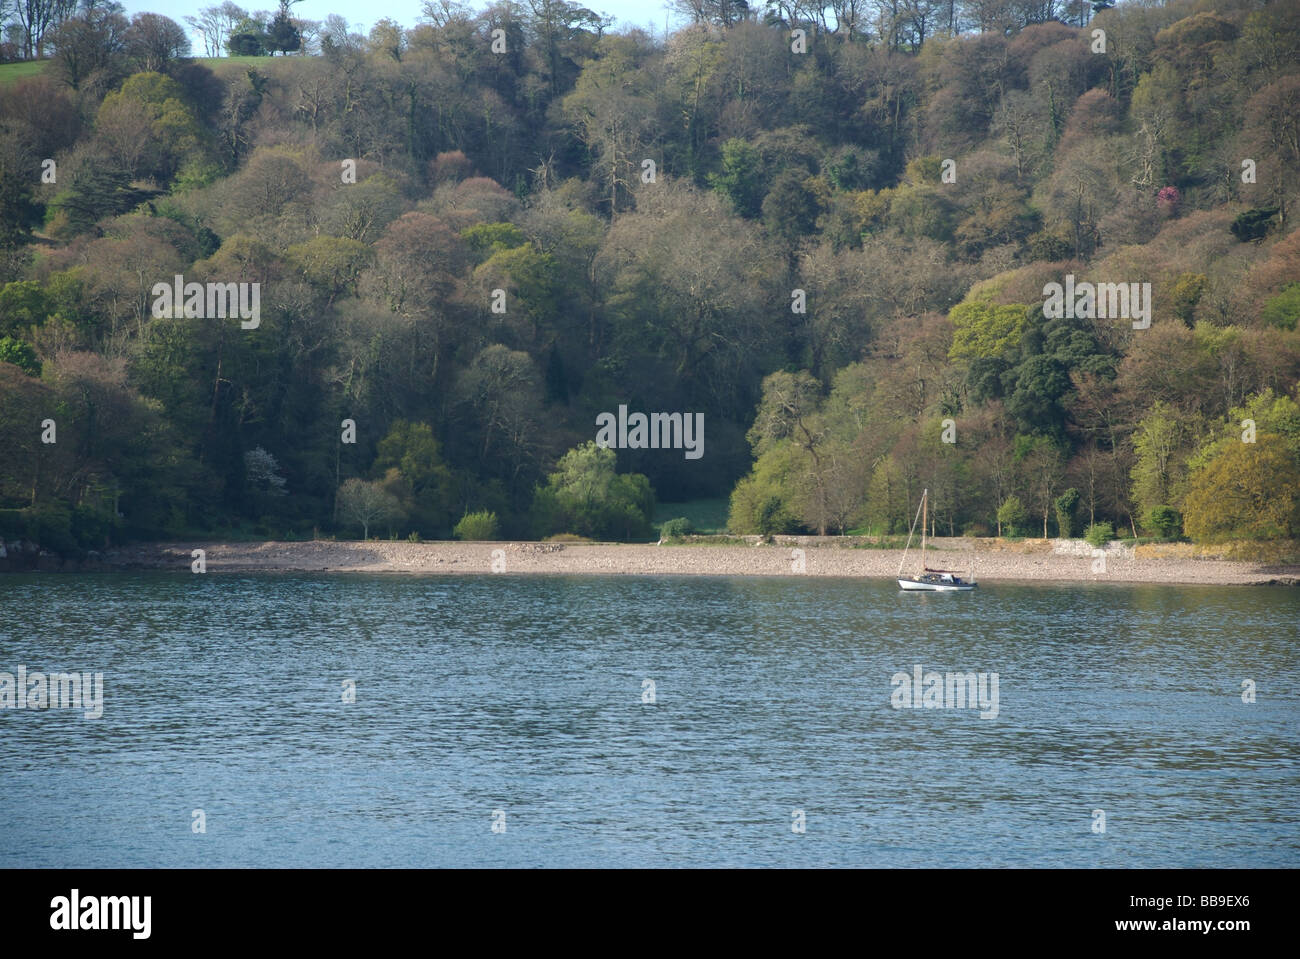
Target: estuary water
x,y
508,721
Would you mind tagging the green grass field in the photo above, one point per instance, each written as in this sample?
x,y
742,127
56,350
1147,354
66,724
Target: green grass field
x,y
13,72
706,515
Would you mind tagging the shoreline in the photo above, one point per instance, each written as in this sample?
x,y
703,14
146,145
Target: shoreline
x,y
1061,561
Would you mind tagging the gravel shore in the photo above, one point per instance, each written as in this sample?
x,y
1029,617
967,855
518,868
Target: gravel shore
x,y
1042,560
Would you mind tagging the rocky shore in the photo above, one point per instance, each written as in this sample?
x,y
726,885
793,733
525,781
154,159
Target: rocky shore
x,y
1026,561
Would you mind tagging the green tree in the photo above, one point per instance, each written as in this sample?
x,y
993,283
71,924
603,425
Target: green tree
x,y
426,484
1066,504
763,501
248,38
984,330
332,264
741,178
1248,491
586,496
791,208
20,355
1158,443
1283,310
1011,516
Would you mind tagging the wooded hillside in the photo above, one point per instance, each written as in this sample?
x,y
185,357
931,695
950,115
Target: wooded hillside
x,y
836,245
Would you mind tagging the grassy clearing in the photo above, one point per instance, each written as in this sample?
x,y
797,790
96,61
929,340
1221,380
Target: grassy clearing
x,y
706,515
13,72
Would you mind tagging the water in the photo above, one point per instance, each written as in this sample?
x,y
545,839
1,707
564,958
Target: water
x,y
223,693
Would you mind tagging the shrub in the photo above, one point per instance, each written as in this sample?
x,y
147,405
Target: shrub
x,y
1254,224
20,355
50,526
1163,520
480,526
676,528
1099,534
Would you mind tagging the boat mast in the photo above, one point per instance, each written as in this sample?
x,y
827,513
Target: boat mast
x,y
925,519
910,533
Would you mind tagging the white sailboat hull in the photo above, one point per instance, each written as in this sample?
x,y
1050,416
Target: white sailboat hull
x,y
929,580
918,586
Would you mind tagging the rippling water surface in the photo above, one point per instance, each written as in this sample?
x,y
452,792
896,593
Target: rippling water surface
x,y
524,695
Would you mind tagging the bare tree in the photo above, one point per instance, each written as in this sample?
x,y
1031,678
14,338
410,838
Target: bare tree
x,y
88,48
156,41
366,503
215,25
37,18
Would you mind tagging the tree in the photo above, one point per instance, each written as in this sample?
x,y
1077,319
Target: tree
x,y
20,355
612,116
18,211
1042,466
1158,442
155,41
37,18
248,38
1011,515
478,526
586,496
722,12
387,38
150,128
741,179
1248,491
281,34
426,483
558,26
1164,520
500,394
790,209
365,503
89,48
985,330
1065,505
788,412
215,24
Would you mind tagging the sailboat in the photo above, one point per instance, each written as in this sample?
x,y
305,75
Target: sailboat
x,y
929,580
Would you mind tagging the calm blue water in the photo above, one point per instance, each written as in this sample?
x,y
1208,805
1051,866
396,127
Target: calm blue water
x,y
477,694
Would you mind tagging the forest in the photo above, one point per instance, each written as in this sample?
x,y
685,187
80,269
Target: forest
x,y
829,230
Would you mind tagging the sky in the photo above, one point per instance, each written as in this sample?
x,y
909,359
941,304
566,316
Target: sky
x,y
362,14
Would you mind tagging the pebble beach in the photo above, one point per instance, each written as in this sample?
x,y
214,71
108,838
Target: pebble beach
x,y
1025,561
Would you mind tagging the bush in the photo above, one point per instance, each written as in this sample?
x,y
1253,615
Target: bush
x,y
1164,521
477,526
1099,534
20,355
1254,224
50,526
676,528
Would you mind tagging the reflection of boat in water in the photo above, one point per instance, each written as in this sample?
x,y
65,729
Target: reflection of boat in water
x,y
929,580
